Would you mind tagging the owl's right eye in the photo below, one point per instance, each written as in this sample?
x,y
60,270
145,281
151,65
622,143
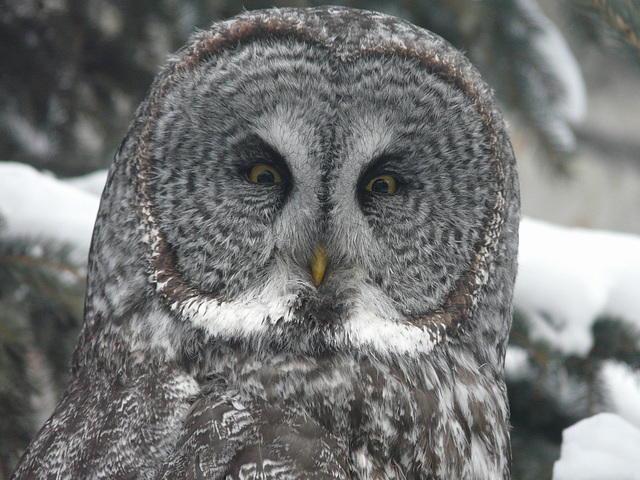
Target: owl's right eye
x,y
263,174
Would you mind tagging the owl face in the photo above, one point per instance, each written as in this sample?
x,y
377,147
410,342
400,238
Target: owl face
x,y
273,150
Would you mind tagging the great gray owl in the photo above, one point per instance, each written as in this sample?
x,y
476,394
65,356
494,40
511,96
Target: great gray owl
x,y
302,266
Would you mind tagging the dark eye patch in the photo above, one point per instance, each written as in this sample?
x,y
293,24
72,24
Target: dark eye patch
x,y
381,177
260,163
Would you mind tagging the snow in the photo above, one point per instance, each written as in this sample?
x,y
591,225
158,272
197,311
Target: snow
x,y
622,388
568,277
34,204
91,183
602,447
516,364
551,45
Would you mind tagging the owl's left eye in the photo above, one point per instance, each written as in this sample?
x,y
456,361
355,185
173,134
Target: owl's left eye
x,y
384,184
263,174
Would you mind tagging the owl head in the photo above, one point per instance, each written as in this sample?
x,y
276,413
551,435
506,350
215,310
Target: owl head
x,y
311,181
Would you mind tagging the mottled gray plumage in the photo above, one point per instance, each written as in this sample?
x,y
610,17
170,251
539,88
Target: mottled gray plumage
x,y
207,350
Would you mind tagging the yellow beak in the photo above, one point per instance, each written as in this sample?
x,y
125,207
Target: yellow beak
x,y
318,265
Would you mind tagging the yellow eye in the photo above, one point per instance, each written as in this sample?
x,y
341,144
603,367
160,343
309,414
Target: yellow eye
x,y
384,184
264,174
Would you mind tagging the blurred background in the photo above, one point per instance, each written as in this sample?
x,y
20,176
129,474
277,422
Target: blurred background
x,y
567,75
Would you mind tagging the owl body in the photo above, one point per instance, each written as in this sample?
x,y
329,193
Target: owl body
x,y
302,266
336,417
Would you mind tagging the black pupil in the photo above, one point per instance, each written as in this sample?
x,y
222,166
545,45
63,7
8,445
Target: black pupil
x,y
380,186
266,176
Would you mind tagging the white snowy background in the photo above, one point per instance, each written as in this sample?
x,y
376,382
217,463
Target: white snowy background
x,y
568,277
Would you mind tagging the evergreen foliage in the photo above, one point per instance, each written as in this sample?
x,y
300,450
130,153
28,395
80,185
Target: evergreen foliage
x,y
558,390
41,299
605,20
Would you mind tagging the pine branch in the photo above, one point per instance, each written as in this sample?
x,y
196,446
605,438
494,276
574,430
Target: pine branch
x,y
42,263
561,389
41,302
616,339
623,17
